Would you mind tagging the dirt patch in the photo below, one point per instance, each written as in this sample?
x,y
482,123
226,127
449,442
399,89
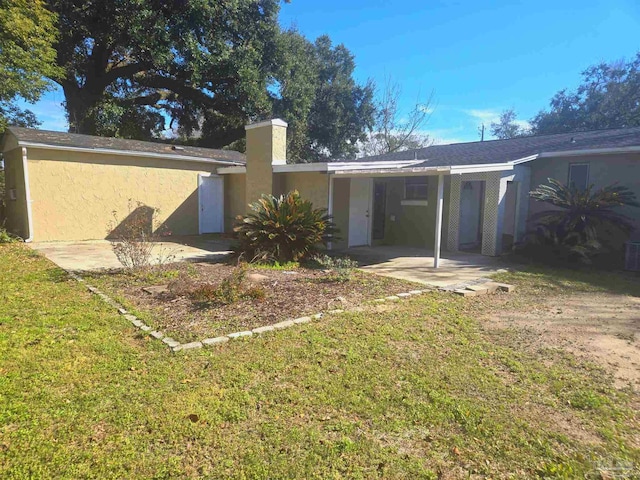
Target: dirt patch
x,y
288,294
603,327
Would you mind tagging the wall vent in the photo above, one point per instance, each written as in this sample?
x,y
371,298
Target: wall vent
x,y
632,257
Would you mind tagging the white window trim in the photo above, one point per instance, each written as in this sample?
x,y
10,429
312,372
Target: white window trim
x,y
414,203
407,199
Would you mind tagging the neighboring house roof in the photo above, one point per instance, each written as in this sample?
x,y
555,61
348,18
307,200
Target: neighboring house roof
x,y
32,137
504,151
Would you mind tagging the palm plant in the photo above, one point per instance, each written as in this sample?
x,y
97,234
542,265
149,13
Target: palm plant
x,y
571,228
284,229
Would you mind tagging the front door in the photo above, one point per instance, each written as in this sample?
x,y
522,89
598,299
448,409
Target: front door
x,y
359,211
211,200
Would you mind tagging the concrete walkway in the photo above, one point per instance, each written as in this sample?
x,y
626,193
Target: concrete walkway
x,y
98,254
416,265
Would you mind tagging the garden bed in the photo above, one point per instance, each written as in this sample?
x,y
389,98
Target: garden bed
x,y
164,296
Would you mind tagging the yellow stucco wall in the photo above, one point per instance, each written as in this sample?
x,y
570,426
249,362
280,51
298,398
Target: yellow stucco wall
x,y
264,145
74,194
16,211
234,199
313,186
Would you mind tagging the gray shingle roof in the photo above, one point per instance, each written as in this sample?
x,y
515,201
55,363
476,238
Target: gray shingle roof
x,y
501,151
89,141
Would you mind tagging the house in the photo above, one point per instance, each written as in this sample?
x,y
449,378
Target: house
x,y
63,186
467,196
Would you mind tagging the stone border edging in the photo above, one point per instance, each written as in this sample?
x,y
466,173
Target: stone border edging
x,y
176,346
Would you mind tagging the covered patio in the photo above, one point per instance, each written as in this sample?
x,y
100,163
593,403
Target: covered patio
x,y
455,270
458,209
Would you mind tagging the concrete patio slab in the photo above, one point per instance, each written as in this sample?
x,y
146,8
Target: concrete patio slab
x,y
457,269
98,254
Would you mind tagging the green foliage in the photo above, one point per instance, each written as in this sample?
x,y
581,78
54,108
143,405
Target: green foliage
x,y
342,266
204,63
6,237
507,126
283,229
571,229
608,97
384,394
27,35
314,91
229,291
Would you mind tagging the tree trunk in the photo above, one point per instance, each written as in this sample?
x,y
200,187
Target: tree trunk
x,y
81,106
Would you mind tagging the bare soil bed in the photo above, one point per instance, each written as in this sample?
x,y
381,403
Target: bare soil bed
x,y
288,294
603,327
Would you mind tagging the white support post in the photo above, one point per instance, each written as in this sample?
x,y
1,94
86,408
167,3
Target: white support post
x,y
330,207
439,208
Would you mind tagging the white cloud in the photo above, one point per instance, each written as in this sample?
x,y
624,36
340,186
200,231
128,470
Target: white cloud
x,y
485,116
523,124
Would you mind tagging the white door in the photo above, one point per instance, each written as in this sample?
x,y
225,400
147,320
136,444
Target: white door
x,y
211,199
360,211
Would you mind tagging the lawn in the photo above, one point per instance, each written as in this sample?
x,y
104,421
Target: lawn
x,y
416,389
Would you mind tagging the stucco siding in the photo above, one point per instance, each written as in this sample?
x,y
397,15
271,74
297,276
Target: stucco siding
x,y
16,210
234,199
313,186
74,194
603,170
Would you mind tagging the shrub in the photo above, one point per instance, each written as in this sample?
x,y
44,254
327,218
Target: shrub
x,y
343,266
283,229
133,239
229,291
6,237
570,231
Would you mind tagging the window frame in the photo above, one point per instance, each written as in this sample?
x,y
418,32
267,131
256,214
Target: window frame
x,y
412,187
579,164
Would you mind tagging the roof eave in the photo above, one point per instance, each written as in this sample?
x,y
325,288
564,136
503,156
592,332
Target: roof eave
x,y
130,153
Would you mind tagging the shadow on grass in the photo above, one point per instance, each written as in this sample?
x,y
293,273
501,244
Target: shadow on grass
x,y
578,279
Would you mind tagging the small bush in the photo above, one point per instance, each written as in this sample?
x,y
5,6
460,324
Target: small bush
x,y
230,290
283,229
343,266
6,237
133,239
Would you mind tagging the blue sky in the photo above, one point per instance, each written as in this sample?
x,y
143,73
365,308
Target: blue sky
x,y
477,57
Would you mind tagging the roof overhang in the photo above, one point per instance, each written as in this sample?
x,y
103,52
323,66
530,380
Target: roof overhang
x,y
128,153
332,167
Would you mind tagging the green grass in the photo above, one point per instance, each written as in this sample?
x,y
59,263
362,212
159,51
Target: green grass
x,y
412,392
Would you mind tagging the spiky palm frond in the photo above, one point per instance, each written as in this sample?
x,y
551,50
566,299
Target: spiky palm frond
x,y
285,228
584,209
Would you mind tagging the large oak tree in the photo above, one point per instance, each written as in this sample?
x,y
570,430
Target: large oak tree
x,y
27,57
209,66
129,63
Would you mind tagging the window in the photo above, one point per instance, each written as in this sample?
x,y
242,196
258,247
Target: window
x,y
579,175
415,188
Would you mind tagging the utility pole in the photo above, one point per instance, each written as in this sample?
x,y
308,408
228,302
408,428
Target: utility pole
x,y
481,132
